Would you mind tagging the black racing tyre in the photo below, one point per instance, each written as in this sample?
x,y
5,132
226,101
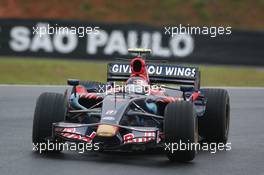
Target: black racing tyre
x,y
93,86
214,124
179,129
50,108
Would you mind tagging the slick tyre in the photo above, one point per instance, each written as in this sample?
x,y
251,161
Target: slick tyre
x,y
50,108
180,129
214,124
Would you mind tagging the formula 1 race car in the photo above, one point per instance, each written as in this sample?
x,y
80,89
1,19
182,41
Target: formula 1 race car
x,y
138,112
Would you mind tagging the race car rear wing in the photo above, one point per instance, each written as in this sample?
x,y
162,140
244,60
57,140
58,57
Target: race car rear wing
x,y
168,74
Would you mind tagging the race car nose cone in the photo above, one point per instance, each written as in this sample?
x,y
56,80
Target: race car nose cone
x,y
106,130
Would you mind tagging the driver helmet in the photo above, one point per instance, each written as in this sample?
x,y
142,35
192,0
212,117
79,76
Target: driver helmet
x,y
137,81
136,85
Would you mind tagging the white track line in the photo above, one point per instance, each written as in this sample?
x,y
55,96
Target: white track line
x,y
31,85
233,87
55,86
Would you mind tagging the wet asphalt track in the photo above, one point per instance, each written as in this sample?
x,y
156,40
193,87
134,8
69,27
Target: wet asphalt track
x,y
16,156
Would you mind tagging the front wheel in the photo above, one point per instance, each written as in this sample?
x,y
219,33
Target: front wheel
x,y
214,124
180,131
50,108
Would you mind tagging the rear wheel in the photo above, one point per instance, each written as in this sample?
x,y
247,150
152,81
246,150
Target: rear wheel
x,y
179,130
50,108
214,124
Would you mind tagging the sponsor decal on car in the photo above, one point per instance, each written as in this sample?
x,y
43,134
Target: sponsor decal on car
x,y
71,134
148,136
108,118
162,70
110,112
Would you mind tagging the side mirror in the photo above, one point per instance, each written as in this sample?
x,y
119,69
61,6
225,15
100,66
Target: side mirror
x,y
73,82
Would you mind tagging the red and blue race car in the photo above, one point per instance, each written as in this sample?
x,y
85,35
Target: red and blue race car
x,y
136,110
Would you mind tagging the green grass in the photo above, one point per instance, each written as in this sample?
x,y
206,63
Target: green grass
x,y
48,71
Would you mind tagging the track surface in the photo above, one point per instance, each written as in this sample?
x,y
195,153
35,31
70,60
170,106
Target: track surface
x,y
16,156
